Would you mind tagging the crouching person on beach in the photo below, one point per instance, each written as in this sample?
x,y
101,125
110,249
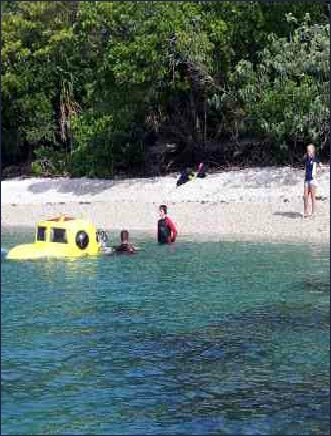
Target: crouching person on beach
x,y
125,246
201,170
185,176
310,185
166,229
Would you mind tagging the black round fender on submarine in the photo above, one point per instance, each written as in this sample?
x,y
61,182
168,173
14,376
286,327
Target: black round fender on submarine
x,y
82,239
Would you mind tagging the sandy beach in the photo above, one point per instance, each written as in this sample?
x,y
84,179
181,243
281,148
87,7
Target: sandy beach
x,y
255,204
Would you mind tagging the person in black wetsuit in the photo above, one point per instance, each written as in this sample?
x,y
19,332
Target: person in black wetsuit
x,y
166,229
125,246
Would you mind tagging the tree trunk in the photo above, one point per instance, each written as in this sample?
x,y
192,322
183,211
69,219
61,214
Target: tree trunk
x,y
193,114
205,123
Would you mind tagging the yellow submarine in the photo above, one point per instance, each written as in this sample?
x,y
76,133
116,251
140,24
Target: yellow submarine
x,y
62,236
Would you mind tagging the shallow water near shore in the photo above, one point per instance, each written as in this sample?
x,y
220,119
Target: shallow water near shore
x,y
195,338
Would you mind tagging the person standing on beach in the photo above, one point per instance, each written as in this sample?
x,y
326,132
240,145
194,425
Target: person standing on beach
x,y
166,229
310,184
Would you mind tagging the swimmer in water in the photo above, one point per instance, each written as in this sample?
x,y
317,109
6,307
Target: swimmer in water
x,y
166,229
125,246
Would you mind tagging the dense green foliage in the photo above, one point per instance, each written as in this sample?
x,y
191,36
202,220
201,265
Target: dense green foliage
x,y
89,88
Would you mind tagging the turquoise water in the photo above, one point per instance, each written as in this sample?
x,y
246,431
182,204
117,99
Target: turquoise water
x,y
197,338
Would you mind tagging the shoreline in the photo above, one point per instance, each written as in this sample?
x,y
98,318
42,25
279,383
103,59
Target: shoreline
x,y
208,221
248,205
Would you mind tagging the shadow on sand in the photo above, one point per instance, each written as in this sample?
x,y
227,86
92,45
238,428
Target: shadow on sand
x,y
289,214
74,186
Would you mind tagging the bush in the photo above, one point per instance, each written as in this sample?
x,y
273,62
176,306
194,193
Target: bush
x,y
49,162
287,94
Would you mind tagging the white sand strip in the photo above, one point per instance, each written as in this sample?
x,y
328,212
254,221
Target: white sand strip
x,y
254,204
